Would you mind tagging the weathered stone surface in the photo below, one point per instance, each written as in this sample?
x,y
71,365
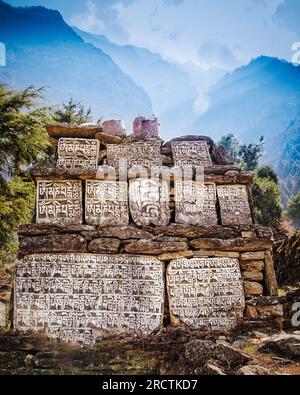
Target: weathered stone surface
x,y
195,203
77,297
227,254
102,155
248,234
44,229
221,169
145,127
205,293
273,311
198,351
212,370
232,357
145,153
124,232
54,143
78,156
147,247
217,254
2,315
256,255
243,179
106,203
193,232
251,312
104,246
232,173
107,138
187,153
238,244
149,202
250,266
252,276
59,202
73,131
170,256
252,288
287,346
253,370
270,275
234,204
107,173
52,243
114,127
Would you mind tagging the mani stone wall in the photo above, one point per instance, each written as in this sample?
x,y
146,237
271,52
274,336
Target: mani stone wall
x,y
122,244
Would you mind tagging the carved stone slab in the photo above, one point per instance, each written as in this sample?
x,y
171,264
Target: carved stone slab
x,y
205,293
191,153
59,202
78,156
234,204
146,154
106,203
149,202
195,203
75,297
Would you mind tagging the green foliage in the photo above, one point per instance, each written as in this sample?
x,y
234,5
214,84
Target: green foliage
x,y
231,145
293,209
250,154
267,172
23,142
245,155
266,199
265,188
73,112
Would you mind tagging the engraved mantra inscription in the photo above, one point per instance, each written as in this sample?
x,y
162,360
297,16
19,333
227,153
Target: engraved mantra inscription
x,y
195,203
205,293
106,203
75,297
78,156
191,153
234,204
146,154
59,202
149,202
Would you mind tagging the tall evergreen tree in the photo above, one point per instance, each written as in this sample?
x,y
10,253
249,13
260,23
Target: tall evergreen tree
x,y
73,112
23,142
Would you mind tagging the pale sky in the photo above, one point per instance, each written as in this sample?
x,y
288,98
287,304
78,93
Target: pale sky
x,y
208,33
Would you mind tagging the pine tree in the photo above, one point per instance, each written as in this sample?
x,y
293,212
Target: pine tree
x,y
73,112
23,142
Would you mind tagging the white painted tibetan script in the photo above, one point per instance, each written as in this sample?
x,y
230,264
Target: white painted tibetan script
x,y
234,205
75,297
205,293
78,156
195,203
191,153
106,203
59,202
149,202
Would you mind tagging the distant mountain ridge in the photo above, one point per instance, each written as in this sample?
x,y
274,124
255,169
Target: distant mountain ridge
x,y
43,50
166,84
260,99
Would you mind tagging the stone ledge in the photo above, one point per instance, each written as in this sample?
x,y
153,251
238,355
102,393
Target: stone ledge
x,y
73,131
238,244
52,243
43,230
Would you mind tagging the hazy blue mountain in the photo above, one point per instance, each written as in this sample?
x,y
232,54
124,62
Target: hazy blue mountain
x,y
166,84
260,99
289,161
43,50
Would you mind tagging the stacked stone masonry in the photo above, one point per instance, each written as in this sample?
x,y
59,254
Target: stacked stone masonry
x,y
132,234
